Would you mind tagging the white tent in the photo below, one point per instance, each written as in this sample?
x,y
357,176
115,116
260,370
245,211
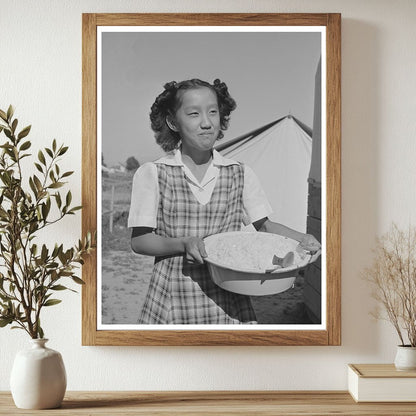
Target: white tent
x,y
280,155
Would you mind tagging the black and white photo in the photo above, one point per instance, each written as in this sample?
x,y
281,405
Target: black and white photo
x,y
274,145
211,164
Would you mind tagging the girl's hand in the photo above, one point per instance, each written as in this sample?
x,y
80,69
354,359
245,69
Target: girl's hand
x,y
309,243
195,250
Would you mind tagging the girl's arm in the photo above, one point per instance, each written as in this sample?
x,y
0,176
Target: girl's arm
x,y
307,241
144,241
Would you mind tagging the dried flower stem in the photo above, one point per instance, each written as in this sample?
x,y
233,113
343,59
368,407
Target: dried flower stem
x,y
393,277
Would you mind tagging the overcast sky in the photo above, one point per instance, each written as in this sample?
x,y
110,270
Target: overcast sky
x,y
268,74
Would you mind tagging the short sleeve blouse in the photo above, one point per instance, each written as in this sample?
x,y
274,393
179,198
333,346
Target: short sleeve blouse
x,y
145,190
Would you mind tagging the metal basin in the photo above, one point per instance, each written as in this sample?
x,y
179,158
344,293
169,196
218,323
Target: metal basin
x,y
238,261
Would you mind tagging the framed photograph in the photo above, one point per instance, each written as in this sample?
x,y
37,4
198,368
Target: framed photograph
x,y
265,91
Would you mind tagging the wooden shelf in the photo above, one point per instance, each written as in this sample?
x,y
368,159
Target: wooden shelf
x,y
179,403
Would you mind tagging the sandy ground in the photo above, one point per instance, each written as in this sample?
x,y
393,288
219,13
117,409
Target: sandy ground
x,y
126,275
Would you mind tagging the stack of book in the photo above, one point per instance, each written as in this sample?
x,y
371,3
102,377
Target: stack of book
x,y
381,383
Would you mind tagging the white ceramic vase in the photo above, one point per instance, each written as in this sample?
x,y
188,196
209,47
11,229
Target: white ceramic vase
x,y
38,377
405,358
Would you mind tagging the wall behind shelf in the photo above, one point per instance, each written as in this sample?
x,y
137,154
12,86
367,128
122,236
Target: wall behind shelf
x,y
40,73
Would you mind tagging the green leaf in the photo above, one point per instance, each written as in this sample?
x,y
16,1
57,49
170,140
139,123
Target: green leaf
x,y
62,257
55,251
8,133
51,302
76,279
58,199
14,125
42,291
45,211
54,145
34,249
25,145
59,287
49,152
33,187
68,199
44,253
5,321
37,182
40,332
33,227
39,167
42,194
77,208
10,112
60,249
67,174
56,185
63,150
24,132
3,115
41,157
6,145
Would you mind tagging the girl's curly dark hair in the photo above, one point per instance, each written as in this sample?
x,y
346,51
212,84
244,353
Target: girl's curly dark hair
x,y
167,103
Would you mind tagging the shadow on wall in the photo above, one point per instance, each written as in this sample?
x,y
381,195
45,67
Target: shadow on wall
x,y
360,180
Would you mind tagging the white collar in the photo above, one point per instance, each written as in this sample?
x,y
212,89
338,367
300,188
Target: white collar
x,y
174,158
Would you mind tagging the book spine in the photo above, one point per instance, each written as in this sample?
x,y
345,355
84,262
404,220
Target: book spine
x,y
353,381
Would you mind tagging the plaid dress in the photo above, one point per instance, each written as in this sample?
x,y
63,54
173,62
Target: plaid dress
x,y
181,292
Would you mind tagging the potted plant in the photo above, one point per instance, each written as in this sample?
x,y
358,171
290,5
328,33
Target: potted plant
x,y
393,277
31,273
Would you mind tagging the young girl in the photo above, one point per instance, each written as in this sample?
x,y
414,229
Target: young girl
x,y
187,195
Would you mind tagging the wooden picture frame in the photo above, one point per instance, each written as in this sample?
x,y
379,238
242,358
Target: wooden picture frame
x,y
331,333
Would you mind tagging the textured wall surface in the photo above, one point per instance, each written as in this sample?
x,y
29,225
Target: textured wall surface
x,y
40,74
